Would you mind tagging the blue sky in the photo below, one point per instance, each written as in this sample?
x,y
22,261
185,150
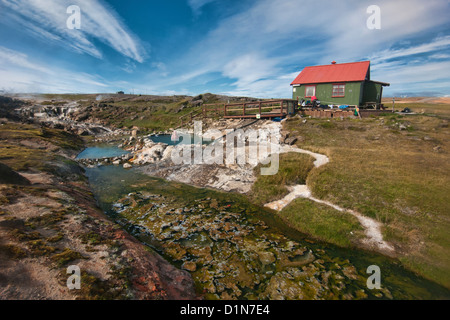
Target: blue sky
x,y
247,47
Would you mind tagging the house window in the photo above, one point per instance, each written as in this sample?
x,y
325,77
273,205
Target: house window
x,y
310,91
338,90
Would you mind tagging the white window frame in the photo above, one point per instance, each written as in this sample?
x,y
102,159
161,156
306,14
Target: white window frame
x,y
338,90
306,90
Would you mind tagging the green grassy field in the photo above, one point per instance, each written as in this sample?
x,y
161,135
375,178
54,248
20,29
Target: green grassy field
x,y
294,169
394,169
323,222
318,221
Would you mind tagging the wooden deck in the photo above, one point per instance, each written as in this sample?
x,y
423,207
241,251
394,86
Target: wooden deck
x,y
260,109
269,109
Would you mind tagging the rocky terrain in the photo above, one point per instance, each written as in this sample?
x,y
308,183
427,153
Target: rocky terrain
x,y
102,113
214,247
49,220
232,254
155,159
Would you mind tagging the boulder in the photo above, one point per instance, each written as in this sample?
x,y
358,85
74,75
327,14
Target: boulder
x,y
290,141
167,154
148,143
284,136
150,154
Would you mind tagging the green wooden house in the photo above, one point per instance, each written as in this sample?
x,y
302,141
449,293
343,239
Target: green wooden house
x,y
339,84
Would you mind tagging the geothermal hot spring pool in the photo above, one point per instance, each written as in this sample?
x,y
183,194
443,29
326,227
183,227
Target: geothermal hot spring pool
x,y
236,250
101,151
167,138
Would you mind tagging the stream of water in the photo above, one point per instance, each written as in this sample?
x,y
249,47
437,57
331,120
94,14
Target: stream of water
x,y
236,250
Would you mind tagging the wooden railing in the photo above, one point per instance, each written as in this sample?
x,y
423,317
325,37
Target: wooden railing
x,y
213,110
254,109
260,109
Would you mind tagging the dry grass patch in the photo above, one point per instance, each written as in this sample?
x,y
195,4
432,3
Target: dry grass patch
x,y
394,169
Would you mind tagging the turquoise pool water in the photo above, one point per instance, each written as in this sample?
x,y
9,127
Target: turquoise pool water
x,y
166,138
102,151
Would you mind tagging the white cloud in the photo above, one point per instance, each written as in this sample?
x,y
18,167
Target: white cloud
x,y
274,87
403,74
47,19
196,5
10,57
20,74
414,67
441,43
260,50
440,56
287,32
249,68
129,66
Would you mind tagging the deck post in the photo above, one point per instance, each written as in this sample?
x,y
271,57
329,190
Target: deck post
x,y
243,110
260,108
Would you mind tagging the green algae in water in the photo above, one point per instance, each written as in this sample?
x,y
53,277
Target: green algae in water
x,y
239,264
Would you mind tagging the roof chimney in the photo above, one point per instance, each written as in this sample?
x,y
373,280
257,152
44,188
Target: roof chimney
x,y
333,62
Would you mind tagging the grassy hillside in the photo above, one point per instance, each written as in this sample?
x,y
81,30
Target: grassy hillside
x,y
149,113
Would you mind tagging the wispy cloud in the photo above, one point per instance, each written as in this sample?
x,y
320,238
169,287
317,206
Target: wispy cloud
x,y
47,20
10,57
440,43
196,5
421,67
129,66
19,73
285,33
249,68
254,49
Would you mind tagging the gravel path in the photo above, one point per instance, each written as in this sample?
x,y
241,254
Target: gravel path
x,y
374,237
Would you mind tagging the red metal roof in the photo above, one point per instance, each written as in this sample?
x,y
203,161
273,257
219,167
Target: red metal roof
x,y
344,72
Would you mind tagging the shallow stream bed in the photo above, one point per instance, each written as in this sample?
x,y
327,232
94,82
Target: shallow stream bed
x,y
236,250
